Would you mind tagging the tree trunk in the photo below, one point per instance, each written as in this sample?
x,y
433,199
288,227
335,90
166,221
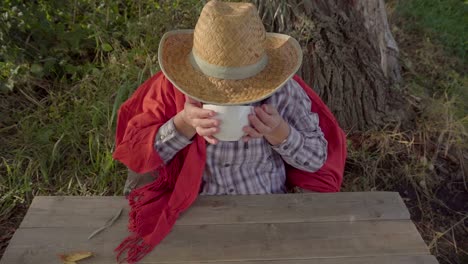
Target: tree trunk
x,y
350,56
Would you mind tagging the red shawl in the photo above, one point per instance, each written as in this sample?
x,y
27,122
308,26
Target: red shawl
x,y
156,206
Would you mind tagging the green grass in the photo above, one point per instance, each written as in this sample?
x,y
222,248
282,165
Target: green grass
x,y
444,20
434,42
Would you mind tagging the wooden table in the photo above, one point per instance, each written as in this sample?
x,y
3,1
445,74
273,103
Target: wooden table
x,y
358,228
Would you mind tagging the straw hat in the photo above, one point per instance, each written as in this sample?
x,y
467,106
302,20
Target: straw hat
x,y
228,59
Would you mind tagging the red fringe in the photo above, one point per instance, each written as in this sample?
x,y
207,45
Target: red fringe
x,y
134,244
135,247
141,197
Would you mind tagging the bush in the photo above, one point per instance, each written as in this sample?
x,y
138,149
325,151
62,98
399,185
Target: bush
x,y
66,66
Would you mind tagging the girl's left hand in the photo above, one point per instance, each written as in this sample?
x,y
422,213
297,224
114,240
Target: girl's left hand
x,y
267,123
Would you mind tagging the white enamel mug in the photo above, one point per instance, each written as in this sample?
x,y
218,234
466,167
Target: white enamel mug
x,y
233,118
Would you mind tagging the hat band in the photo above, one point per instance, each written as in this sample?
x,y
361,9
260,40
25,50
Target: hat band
x,y
228,73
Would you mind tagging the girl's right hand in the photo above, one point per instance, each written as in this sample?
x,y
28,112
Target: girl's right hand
x,y
194,119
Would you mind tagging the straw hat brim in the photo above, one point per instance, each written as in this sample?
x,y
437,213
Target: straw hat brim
x,y
284,59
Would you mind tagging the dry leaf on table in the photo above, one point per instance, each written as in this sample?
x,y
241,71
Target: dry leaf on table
x,y
72,258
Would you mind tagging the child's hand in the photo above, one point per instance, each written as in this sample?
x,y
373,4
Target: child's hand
x,y
267,123
197,120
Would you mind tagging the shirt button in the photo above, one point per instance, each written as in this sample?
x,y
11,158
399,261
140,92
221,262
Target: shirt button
x,y
227,165
285,147
306,163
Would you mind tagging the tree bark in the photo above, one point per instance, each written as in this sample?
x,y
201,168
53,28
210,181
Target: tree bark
x,y
350,57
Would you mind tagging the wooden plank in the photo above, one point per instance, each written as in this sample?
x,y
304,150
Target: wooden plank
x,y
66,211
234,242
309,207
419,259
291,240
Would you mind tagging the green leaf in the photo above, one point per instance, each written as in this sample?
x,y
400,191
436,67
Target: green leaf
x,y
106,47
36,69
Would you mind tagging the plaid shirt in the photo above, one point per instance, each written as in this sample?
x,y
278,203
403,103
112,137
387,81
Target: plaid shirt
x,y
256,167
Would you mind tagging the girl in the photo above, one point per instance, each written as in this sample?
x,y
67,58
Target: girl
x,y
228,59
